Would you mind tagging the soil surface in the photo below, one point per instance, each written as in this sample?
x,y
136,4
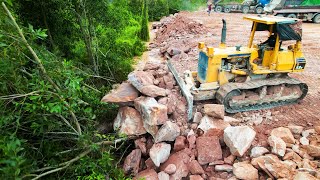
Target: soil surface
x,y
193,27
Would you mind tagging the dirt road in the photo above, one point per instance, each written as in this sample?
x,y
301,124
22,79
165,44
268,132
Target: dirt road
x,y
306,113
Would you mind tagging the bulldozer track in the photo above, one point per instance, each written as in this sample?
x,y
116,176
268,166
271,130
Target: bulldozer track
x,y
227,91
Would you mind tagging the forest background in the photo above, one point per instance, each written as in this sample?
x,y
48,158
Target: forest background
x,y
57,60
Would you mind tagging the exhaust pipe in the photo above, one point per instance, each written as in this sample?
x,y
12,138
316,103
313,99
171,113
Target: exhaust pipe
x,y
223,34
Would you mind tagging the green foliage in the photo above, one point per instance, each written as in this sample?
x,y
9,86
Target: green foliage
x,y
190,5
158,9
144,32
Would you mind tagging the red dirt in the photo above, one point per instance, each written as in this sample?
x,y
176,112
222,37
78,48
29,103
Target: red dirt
x,y
306,113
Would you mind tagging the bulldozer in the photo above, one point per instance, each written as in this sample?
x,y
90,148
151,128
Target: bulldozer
x,y
252,77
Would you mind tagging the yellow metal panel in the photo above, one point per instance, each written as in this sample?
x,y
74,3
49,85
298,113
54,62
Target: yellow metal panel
x,y
268,19
222,78
285,61
252,34
267,58
214,63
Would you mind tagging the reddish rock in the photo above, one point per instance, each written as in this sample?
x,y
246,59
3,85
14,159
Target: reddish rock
x,y
214,110
170,169
195,177
312,150
209,149
195,167
140,78
169,81
153,91
141,144
230,159
159,153
149,163
191,137
180,160
212,127
168,132
132,162
151,129
129,122
148,174
231,120
197,117
244,170
283,133
152,66
125,93
295,129
180,143
152,112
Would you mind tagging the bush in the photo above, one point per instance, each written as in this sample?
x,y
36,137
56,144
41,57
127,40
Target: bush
x,y
158,9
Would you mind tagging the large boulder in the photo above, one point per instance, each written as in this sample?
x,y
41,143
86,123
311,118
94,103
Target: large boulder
x,y
132,162
153,91
148,174
209,149
283,133
244,170
140,79
180,160
168,132
152,112
239,139
159,153
124,94
212,127
129,122
277,144
214,110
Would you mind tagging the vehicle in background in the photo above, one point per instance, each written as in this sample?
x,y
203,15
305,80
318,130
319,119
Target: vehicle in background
x,y
307,10
243,6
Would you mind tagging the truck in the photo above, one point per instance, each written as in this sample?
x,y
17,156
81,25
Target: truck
x,y
306,10
243,6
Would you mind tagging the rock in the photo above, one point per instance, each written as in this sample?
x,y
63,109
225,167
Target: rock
x,y
173,51
212,127
209,149
283,133
239,139
148,174
304,176
152,112
230,159
169,81
306,133
180,143
295,129
231,120
159,153
261,160
304,141
317,129
277,144
217,162
140,78
195,167
151,66
224,167
312,150
149,163
151,129
214,110
132,162
141,144
170,169
195,177
279,170
180,160
197,117
191,137
168,132
125,93
292,156
129,122
153,91
163,176
258,151
243,170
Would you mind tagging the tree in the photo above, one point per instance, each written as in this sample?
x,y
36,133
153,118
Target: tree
x,y
144,33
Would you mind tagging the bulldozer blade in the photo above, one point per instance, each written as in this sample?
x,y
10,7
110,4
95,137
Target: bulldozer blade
x,y
185,91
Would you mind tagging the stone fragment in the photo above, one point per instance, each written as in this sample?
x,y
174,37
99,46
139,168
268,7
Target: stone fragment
x,y
153,91
180,160
230,159
151,66
168,132
312,150
195,167
231,120
295,129
258,151
304,176
283,133
125,93
141,144
191,137
132,162
170,169
212,127
148,174
129,122
163,176
209,149
214,110
159,153
169,81
279,170
239,139
292,156
306,133
195,177
223,167
244,170
317,129
149,163
173,51
197,117
151,129
152,112
180,143
277,144
140,78
304,141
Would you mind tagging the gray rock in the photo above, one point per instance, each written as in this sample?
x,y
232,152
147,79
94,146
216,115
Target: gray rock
x,y
258,151
277,144
168,132
159,153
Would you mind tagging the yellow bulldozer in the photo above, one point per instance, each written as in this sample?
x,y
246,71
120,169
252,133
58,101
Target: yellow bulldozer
x,y
253,77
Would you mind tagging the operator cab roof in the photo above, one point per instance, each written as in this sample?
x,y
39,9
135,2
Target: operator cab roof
x,y
270,19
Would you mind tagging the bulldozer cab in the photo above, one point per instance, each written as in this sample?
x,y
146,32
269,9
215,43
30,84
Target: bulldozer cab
x,y
271,56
